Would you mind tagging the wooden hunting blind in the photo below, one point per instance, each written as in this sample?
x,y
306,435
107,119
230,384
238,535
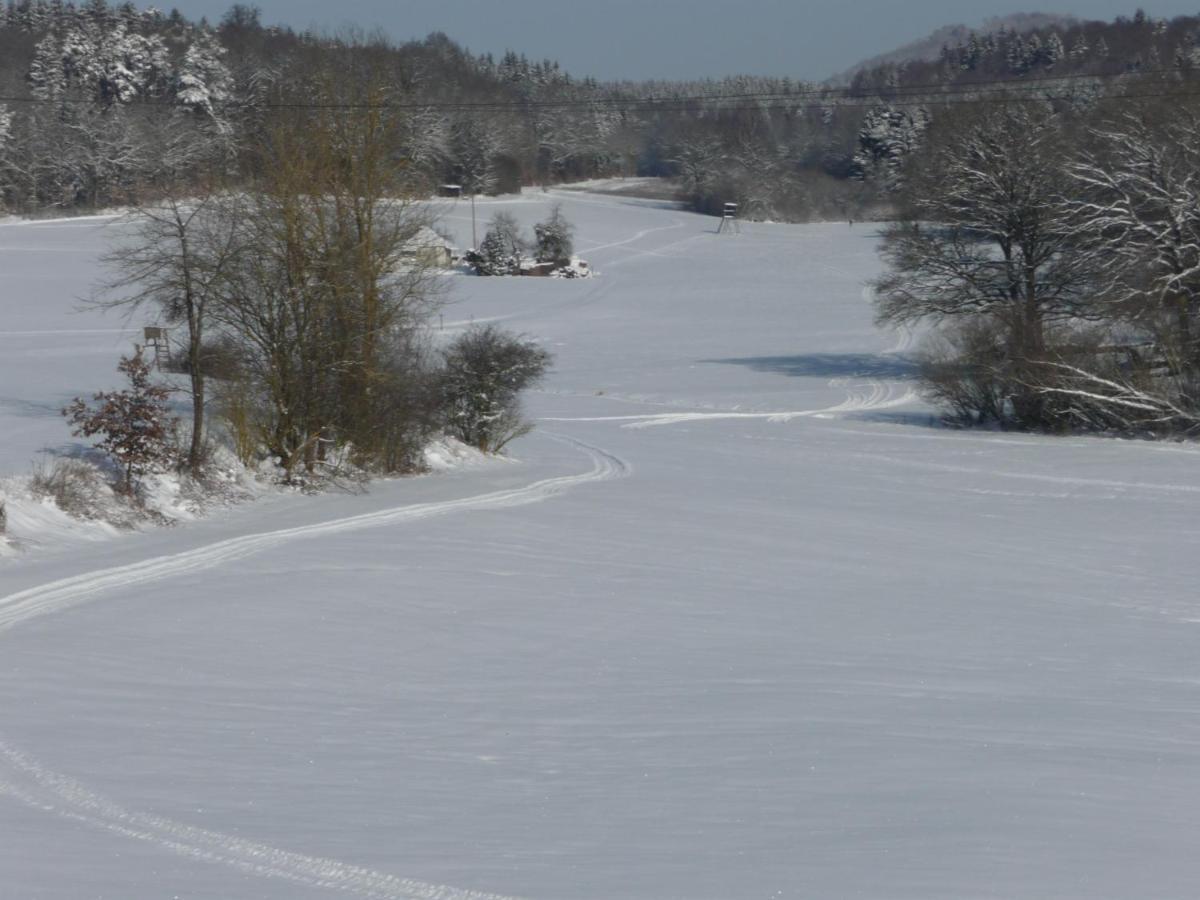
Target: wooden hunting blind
x,y
156,340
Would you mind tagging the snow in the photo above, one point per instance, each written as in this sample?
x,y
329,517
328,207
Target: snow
x,y
448,454
738,621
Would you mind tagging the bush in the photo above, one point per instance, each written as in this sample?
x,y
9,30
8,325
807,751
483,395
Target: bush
x,y
77,487
964,369
554,237
484,372
405,411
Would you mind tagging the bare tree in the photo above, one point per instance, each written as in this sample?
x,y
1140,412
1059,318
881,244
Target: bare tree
x,y
178,257
322,300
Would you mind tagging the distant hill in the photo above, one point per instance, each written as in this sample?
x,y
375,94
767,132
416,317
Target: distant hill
x,y
927,49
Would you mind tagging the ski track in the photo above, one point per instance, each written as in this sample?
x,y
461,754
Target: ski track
x,y
27,781
67,592
637,237
1066,480
570,303
33,784
871,395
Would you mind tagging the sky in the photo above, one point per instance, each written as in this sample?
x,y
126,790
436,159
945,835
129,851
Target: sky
x,y
674,39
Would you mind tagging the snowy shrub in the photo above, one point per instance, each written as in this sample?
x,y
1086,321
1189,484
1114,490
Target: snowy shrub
x,y
484,372
75,486
963,369
134,426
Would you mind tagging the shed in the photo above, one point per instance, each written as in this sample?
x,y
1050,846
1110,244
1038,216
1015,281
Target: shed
x,y
428,247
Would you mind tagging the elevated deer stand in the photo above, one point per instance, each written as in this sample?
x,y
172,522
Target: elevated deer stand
x,y
157,343
729,220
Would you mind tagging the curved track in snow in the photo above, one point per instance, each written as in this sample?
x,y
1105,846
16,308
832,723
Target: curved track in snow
x,y
23,778
67,592
871,394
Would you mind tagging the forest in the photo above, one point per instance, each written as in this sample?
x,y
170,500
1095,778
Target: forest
x,y
104,105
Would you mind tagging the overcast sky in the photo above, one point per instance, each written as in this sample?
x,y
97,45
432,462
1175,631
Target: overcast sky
x,y
640,39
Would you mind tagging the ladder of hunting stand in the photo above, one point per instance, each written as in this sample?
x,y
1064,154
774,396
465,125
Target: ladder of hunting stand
x,y
729,220
160,348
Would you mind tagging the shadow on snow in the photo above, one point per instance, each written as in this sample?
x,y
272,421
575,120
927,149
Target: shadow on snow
x,y
828,365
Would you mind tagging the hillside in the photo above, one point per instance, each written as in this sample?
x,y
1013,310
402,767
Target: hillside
x,y
929,49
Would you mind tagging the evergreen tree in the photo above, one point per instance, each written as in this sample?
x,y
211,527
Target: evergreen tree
x,y
555,242
203,82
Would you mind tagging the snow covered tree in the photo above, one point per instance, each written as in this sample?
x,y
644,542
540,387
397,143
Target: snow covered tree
x,y
887,138
203,82
6,119
555,243
473,147
1138,203
989,236
49,70
104,61
698,160
134,426
501,249
1053,51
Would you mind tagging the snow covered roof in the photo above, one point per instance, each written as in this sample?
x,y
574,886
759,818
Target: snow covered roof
x,y
425,238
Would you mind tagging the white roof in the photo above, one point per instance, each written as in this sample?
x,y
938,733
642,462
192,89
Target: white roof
x,y
426,237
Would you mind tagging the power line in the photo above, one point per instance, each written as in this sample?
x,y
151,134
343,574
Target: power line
x,y
964,99
933,93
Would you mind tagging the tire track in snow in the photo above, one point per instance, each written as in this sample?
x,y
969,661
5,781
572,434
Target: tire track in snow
x,y
566,305
633,240
874,395
67,592
24,779
38,787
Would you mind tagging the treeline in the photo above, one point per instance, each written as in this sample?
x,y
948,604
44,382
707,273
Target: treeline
x,y
109,104
1057,255
112,104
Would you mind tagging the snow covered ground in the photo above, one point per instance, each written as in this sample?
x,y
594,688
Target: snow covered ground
x,y
738,623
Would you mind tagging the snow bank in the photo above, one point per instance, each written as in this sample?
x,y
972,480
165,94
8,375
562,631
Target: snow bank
x,y
447,454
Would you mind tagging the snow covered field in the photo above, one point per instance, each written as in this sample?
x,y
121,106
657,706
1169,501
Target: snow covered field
x,y
739,623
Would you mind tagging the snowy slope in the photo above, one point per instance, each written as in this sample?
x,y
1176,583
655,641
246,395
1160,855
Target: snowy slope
x,y
739,623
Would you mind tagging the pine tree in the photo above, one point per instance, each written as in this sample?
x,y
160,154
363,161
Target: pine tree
x,y
5,128
554,239
47,72
1053,51
203,80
